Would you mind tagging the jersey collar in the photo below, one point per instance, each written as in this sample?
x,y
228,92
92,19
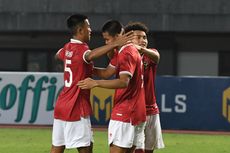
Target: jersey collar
x,y
120,50
75,41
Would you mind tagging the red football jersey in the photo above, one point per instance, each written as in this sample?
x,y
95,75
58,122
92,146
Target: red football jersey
x,y
113,61
72,102
129,103
150,68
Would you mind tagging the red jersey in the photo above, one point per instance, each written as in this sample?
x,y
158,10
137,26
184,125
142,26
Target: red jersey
x,y
150,68
72,102
129,103
113,61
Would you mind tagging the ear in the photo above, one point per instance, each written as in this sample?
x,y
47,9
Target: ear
x,y
79,30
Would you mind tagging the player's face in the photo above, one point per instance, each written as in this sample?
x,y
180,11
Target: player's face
x,y
140,38
87,30
108,38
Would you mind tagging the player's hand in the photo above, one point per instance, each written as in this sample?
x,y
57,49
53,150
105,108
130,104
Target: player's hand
x,y
87,83
124,39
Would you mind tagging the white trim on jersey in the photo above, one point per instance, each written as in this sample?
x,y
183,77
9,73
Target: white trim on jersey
x,y
99,68
124,47
112,65
84,56
76,41
126,72
58,53
59,49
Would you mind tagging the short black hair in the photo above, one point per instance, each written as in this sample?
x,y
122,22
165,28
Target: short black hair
x,y
74,21
136,26
113,27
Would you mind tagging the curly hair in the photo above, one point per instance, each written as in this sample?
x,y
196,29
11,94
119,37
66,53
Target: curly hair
x,y
136,26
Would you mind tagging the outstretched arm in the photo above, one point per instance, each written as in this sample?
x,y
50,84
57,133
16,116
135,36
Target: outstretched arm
x,y
104,73
154,55
122,40
121,82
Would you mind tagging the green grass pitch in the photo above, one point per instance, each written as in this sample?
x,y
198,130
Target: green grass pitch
x,y
39,141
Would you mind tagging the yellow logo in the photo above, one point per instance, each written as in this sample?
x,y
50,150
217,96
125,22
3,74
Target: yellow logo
x,y
226,104
101,102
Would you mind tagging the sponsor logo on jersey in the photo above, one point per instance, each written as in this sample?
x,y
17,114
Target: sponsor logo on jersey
x,y
68,54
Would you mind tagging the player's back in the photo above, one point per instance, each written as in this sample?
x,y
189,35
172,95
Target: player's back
x,y
72,101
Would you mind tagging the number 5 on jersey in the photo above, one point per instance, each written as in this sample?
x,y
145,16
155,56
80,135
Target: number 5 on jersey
x,y
68,70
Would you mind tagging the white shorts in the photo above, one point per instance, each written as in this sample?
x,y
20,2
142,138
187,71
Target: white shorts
x,y
72,134
153,134
125,135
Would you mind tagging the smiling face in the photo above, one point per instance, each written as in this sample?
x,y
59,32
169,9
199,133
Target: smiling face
x,y
140,38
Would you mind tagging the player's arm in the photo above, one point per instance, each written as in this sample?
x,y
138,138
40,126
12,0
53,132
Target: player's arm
x,y
154,55
104,73
56,56
89,83
122,40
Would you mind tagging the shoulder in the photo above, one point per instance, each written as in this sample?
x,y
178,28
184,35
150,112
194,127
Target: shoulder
x,y
128,51
74,43
82,46
127,48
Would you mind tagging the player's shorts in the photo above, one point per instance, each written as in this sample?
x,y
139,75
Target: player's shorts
x,y
153,134
125,135
72,134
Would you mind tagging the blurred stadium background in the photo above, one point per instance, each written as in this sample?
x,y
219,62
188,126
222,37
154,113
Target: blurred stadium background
x,y
193,38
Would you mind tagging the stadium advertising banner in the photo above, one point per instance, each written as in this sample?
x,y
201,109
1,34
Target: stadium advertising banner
x,y
194,103
28,98
101,102
185,102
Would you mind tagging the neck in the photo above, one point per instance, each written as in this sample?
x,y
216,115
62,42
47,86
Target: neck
x,y
78,38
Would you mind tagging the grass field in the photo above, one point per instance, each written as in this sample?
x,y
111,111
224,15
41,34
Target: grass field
x,y
39,140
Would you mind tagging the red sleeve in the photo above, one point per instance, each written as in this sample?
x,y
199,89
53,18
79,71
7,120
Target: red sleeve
x,y
61,53
127,61
113,61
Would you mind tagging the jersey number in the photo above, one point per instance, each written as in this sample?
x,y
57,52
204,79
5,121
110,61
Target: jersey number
x,y
67,69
